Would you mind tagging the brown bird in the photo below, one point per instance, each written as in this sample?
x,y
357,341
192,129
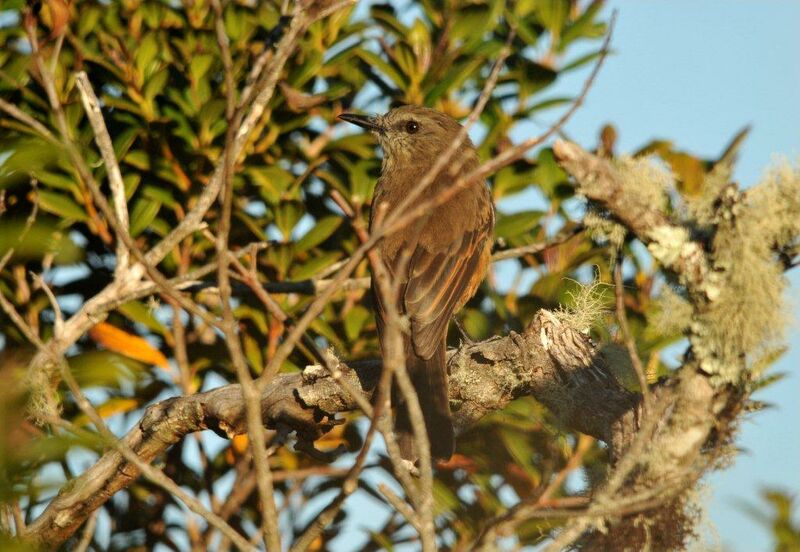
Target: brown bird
x,y
447,252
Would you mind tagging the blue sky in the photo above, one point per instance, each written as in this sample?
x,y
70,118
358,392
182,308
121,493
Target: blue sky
x,y
695,73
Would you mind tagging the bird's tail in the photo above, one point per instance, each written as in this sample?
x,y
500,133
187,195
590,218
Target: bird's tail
x,y
429,377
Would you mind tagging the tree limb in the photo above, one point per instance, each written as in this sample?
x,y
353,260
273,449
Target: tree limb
x,y
550,361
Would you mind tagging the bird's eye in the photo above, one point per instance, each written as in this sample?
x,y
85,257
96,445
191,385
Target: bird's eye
x,y
412,127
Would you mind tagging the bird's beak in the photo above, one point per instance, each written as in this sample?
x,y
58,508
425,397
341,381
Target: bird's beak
x,y
370,123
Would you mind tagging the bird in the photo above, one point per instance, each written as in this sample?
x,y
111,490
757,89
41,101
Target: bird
x,y
438,262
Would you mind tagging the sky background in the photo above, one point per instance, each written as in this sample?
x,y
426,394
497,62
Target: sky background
x,y
696,72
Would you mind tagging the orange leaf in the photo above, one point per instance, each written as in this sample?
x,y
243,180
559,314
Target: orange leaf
x,y
458,462
240,443
132,346
118,405
58,12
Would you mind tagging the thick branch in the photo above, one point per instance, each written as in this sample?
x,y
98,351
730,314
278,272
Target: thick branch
x,y
671,450
550,361
669,243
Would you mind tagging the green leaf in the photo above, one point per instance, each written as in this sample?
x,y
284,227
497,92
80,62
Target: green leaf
x,y
287,214
235,22
584,26
27,156
137,311
407,61
324,329
252,351
131,181
104,369
553,14
476,324
124,140
280,257
57,180
470,22
385,15
376,62
146,53
305,72
160,194
511,226
581,61
354,321
154,86
444,499
320,232
548,173
520,449
271,181
143,213
313,267
547,104
61,205
461,71
200,65
257,316
34,242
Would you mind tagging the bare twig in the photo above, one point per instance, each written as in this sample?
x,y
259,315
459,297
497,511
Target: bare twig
x,y
88,534
393,364
19,518
400,505
105,145
58,324
630,343
155,476
24,118
535,248
270,528
527,509
23,326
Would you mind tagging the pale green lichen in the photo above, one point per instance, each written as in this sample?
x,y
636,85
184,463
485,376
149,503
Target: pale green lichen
x,y
668,244
589,304
671,314
603,229
748,317
700,210
708,538
645,181
775,205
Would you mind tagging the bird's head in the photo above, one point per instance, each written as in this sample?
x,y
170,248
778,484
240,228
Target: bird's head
x,y
411,133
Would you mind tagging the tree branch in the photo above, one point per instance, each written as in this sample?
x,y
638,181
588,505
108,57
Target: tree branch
x,y
550,361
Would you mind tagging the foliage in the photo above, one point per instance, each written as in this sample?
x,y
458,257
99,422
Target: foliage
x,y
780,518
158,69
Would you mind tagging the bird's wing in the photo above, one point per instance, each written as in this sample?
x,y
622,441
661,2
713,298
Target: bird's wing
x,y
438,280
